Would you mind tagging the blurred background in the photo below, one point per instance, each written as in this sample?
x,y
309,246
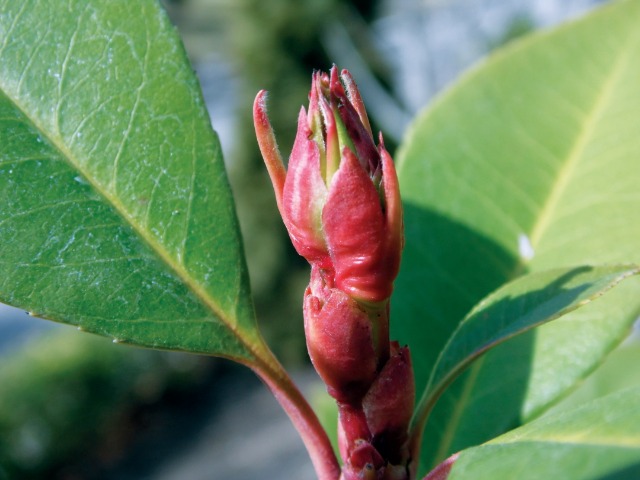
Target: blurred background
x,y
74,406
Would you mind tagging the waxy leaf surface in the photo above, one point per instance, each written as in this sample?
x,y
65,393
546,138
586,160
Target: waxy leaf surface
x,y
529,163
598,441
115,211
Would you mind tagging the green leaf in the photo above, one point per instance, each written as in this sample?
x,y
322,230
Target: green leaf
x,y
115,211
600,440
520,305
613,375
529,163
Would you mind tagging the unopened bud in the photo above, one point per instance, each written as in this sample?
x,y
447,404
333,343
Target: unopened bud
x,y
388,405
339,340
364,463
340,198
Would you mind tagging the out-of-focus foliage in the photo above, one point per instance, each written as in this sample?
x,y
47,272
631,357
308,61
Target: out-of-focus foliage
x,y
69,392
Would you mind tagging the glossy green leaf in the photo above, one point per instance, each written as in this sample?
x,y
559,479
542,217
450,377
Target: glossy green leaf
x,y
599,441
615,374
529,163
115,211
520,305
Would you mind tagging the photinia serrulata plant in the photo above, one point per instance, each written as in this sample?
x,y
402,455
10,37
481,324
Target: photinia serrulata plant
x,y
512,203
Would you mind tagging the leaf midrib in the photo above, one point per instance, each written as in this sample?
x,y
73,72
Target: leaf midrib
x,y
625,442
575,154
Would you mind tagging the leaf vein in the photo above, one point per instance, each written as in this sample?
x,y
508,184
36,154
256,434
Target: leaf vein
x,y
134,111
574,156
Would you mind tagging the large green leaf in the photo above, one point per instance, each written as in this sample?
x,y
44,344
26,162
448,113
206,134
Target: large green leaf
x,y
529,163
520,305
600,440
115,211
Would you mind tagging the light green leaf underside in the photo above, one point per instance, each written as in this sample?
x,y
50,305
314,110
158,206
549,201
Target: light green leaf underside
x,y
115,211
520,305
600,440
535,152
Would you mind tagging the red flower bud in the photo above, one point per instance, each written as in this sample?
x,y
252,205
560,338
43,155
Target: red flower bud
x,y
340,340
364,463
388,405
339,199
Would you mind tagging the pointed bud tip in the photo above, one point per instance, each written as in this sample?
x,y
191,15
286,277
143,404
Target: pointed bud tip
x,y
260,107
335,84
269,146
353,94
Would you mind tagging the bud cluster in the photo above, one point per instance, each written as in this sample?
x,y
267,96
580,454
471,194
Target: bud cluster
x,y
340,202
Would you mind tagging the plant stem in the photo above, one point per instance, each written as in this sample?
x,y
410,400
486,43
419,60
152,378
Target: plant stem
x,y
304,419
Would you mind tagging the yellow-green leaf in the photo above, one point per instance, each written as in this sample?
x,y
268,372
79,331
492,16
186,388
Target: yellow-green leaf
x,y
529,163
598,441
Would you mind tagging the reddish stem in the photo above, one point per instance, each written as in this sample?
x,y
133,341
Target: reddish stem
x,y
302,416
